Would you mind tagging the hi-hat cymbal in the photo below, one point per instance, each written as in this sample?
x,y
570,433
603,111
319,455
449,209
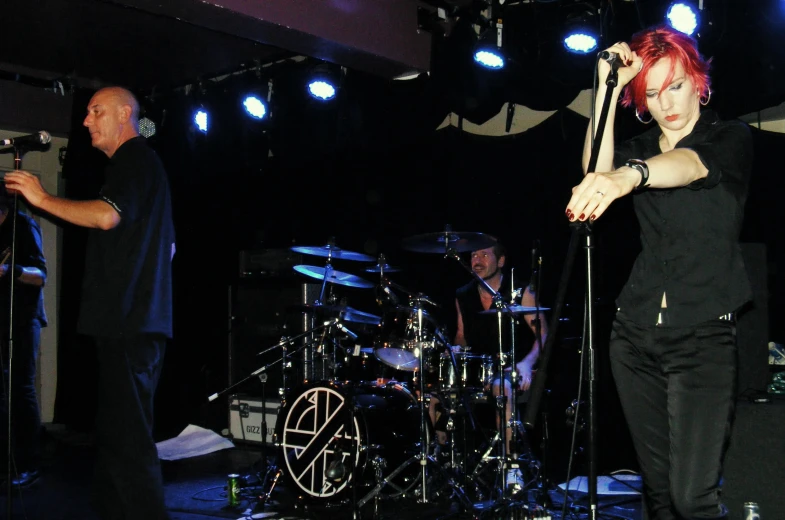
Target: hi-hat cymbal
x,y
332,251
516,309
442,241
382,268
333,276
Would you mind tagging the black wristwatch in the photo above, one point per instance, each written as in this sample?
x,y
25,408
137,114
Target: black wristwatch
x,y
643,169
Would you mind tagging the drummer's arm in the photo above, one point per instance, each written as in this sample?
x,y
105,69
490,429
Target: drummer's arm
x,y
459,338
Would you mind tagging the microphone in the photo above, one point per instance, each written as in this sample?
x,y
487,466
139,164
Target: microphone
x,y
38,138
345,330
612,58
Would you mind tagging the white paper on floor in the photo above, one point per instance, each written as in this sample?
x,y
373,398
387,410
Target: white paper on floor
x,y
192,442
616,485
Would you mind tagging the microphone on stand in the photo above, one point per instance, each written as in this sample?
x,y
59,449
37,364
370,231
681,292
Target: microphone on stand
x,y
336,469
38,138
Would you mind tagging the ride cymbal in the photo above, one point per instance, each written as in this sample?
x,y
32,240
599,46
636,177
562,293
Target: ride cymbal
x,y
333,276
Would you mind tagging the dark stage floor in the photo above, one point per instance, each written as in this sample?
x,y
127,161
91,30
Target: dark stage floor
x,y
195,487
195,490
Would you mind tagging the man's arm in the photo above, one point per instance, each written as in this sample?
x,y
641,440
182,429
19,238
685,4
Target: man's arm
x,y
460,339
96,214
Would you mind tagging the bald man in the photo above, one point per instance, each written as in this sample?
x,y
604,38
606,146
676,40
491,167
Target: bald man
x,y
126,302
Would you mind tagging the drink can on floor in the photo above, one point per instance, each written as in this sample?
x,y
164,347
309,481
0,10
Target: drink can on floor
x,y
751,511
233,489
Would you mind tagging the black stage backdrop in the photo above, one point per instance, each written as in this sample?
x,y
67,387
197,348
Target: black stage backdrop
x,y
369,181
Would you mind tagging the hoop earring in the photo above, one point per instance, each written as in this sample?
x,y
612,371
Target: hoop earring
x,y
638,117
708,98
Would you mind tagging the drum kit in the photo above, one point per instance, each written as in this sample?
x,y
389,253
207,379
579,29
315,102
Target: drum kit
x,y
347,437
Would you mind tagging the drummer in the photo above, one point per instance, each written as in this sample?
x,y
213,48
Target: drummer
x,y
480,332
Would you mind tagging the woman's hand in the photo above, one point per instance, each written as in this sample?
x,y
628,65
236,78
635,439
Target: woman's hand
x,y
595,193
631,64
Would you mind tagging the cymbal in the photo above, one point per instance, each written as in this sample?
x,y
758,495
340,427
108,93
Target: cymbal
x,y
441,241
349,313
332,251
356,316
382,268
516,309
336,277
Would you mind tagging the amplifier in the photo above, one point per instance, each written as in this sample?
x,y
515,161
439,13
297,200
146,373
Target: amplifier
x,y
245,418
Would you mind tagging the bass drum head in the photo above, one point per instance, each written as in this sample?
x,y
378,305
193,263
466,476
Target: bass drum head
x,y
313,435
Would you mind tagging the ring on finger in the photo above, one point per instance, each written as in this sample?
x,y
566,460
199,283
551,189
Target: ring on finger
x,y
601,193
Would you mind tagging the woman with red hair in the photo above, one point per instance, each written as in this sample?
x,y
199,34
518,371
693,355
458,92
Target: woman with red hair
x,y
673,345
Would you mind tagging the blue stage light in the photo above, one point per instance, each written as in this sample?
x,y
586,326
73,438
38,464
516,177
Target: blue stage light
x,y
683,17
321,89
580,42
201,120
255,107
490,58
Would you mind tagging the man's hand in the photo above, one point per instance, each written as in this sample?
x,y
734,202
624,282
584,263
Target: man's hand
x,y
26,184
524,374
3,270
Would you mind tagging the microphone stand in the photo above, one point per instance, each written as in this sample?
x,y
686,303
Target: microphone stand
x,y
12,280
579,228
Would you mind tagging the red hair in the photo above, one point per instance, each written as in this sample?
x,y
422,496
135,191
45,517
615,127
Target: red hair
x,y
660,42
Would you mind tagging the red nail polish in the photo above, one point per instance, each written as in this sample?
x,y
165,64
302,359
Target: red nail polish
x,y
593,218
583,216
572,217
567,212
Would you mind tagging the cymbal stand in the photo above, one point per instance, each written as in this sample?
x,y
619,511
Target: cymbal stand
x,y
284,359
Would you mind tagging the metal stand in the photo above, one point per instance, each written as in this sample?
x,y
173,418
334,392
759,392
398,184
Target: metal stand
x,y
580,228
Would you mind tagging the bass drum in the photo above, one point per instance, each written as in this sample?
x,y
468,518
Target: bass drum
x,y
312,436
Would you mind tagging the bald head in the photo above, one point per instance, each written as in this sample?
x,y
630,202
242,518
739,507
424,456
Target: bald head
x,y
112,118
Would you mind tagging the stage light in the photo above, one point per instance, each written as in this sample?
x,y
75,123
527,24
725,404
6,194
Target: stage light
x,y
580,42
683,17
201,120
488,50
255,107
321,89
580,34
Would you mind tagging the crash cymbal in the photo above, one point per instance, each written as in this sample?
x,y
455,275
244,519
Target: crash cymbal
x,y
336,277
332,251
439,242
516,309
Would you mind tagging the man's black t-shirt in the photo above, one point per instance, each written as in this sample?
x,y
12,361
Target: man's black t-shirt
x,y
128,270
29,304
481,331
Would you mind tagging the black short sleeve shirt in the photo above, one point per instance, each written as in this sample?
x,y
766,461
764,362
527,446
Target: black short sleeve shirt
x,y
127,287
689,236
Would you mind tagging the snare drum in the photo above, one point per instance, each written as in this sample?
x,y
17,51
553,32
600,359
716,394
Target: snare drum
x,y
474,370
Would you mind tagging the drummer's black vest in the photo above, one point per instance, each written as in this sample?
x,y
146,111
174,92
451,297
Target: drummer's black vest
x,y
482,330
